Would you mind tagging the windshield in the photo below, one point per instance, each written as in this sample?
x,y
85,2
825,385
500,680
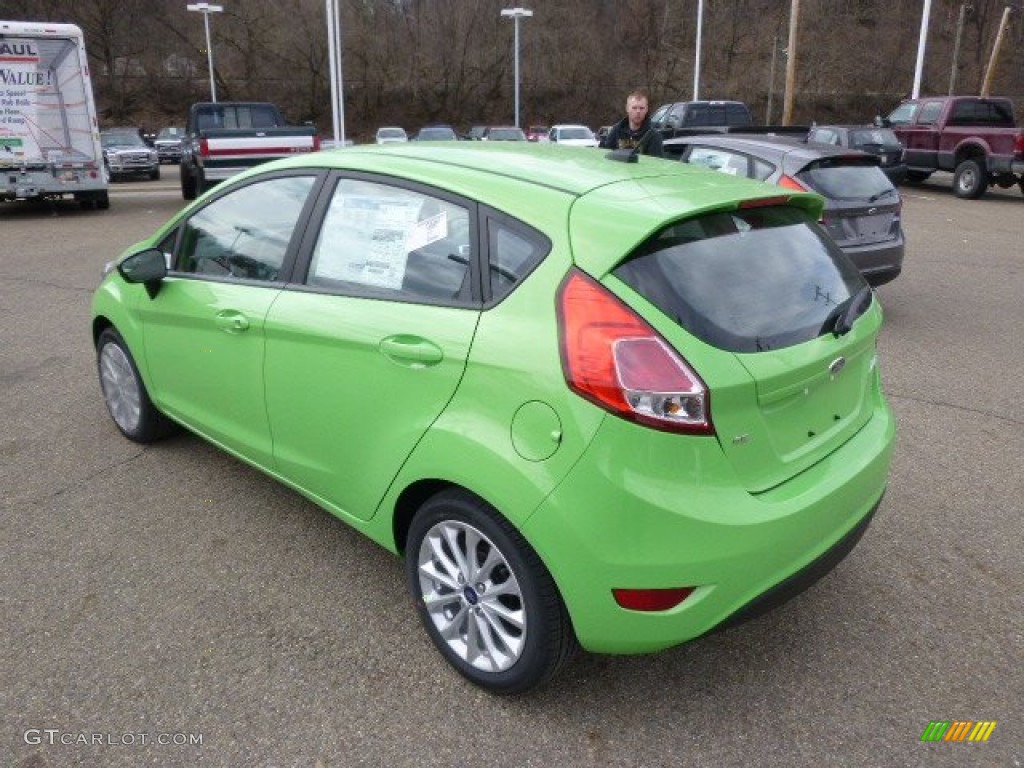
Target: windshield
x,y
745,281
171,133
122,139
575,133
506,134
437,134
874,137
391,133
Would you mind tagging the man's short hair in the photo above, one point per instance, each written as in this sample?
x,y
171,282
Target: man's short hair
x,y
639,93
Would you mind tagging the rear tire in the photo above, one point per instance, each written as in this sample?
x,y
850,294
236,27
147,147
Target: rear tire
x,y
154,175
125,393
188,183
485,598
103,200
970,180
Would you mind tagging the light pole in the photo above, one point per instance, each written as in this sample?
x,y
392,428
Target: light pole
x,y
696,63
206,9
516,14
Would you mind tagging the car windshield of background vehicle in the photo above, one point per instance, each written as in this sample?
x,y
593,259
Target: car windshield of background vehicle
x,y
745,281
874,137
848,182
385,240
245,234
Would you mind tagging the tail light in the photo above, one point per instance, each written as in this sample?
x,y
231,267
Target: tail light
x,y
316,143
1018,146
204,147
614,359
790,183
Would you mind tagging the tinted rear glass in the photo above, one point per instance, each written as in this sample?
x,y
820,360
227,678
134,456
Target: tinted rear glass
x,y
744,281
846,181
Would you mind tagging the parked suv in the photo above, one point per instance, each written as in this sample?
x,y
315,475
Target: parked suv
x,y
168,144
681,118
126,154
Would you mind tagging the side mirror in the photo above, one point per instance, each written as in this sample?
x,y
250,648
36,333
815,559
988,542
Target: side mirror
x,y
881,122
148,267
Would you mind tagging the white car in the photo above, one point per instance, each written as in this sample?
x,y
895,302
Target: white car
x,y
391,135
572,136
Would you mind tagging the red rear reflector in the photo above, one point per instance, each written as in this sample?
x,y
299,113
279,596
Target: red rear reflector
x,y
649,600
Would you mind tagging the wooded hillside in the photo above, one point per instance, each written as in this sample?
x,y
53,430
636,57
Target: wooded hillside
x,y
410,62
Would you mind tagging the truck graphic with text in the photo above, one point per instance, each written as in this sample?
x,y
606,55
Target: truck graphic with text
x,y
49,133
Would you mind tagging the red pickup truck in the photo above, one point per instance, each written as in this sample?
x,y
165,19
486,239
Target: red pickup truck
x,y
974,138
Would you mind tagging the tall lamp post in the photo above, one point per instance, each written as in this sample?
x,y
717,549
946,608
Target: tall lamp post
x,y
206,9
516,14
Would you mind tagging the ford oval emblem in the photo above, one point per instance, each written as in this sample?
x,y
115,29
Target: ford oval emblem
x,y
837,365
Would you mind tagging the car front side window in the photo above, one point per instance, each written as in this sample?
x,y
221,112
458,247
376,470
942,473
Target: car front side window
x,y
246,233
380,239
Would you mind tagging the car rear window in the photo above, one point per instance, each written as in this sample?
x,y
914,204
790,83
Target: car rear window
x,y
744,281
847,179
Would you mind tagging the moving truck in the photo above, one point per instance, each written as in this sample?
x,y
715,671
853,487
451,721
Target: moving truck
x,y
49,134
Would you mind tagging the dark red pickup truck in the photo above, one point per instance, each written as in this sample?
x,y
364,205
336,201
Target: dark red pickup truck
x,y
974,138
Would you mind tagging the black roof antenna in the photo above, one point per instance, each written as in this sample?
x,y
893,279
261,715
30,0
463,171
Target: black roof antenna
x,y
631,155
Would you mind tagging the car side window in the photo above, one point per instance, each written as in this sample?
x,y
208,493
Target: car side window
x,y
386,240
244,234
929,113
824,135
720,160
761,169
514,251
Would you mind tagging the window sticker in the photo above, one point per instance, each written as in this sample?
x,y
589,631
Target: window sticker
x,y
428,231
364,240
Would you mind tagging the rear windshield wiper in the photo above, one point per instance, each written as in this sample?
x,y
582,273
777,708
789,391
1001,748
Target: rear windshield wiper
x,y
841,319
883,193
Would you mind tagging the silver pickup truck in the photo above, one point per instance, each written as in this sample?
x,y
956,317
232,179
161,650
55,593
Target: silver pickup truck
x,y
227,137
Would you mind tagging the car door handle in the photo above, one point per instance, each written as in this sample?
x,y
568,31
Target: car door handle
x,y
232,321
411,350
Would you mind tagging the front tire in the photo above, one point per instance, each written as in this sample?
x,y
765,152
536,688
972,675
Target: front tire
x,y
970,180
125,393
485,598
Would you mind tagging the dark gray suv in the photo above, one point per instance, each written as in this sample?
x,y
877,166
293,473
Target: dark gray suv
x,y
862,207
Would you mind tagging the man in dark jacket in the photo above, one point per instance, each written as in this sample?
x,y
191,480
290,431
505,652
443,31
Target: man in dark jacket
x,y
635,128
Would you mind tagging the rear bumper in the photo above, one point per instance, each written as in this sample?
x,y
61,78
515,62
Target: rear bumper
x,y
674,515
878,262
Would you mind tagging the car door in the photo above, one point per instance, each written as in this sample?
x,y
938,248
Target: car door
x,y
365,354
921,137
204,330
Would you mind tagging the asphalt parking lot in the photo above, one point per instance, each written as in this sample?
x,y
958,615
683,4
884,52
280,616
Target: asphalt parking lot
x,y
170,606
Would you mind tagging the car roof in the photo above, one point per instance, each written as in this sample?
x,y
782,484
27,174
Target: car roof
x,y
768,144
542,183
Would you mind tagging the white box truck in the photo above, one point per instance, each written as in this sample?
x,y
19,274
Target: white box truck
x,y
49,134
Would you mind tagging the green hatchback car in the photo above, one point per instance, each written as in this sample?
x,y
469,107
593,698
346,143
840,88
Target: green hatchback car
x,y
592,403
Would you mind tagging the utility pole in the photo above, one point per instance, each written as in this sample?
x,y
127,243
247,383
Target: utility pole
x,y
771,81
986,86
787,106
956,47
